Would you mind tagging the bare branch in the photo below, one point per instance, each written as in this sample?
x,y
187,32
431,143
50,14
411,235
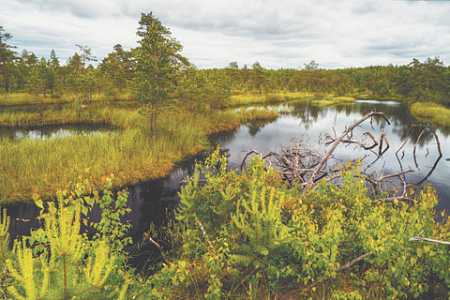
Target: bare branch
x,y
428,240
247,155
425,127
418,238
155,243
375,143
352,262
336,143
349,264
403,145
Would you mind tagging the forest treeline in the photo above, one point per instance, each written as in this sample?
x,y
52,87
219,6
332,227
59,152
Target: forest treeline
x,y
118,74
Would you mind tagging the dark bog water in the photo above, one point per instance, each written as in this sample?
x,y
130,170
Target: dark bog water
x,y
150,201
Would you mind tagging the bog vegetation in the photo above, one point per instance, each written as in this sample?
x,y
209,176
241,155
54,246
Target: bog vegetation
x,y
237,235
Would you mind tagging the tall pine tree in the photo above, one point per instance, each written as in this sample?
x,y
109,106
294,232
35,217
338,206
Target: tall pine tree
x,y
157,59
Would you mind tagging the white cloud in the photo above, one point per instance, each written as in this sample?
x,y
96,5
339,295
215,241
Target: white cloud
x,y
278,34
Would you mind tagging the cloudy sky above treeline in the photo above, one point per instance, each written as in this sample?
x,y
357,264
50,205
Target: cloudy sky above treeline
x,y
278,34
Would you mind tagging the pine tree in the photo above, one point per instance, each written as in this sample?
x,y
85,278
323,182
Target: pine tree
x,y
157,59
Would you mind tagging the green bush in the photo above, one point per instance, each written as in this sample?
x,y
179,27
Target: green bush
x,y
250,236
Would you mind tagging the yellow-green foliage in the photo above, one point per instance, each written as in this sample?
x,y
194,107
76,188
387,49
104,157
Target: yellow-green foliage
x,y
76,114
249,236
343,99
250,98
5,221
25,98
431,111
58,262
258,114
63,230
25,275
95,273
329,101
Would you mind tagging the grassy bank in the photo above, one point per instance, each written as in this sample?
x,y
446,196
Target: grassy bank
x,y
322,99
25,98
329,101
246,98
427,112
72,115
44,166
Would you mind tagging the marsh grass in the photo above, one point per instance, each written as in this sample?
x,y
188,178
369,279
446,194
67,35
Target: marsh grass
x,y
44,166
25,98
343,99
426,112
257,114
131,153
250,98
122,117
330,100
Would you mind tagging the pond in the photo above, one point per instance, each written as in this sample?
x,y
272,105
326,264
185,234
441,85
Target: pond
x,y
151,200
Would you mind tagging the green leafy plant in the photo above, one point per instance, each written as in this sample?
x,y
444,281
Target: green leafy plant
x,y
250,235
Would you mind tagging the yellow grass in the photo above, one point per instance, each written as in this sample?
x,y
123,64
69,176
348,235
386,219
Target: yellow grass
x,y
431,112
343,99
44,166
329,100
25,98
250,98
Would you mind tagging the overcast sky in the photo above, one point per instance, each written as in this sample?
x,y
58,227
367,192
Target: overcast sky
x,y
278,34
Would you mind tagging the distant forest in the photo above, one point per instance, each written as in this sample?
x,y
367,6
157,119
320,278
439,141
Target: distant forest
x,y
114,75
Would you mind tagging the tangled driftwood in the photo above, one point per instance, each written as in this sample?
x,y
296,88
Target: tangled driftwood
x,y
301,165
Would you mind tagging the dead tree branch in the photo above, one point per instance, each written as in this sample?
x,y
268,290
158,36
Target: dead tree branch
x,y
375,143
336,143
348,265
352,262
425,127
418,238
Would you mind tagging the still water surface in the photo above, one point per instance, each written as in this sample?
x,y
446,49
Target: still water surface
x,y
151,200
